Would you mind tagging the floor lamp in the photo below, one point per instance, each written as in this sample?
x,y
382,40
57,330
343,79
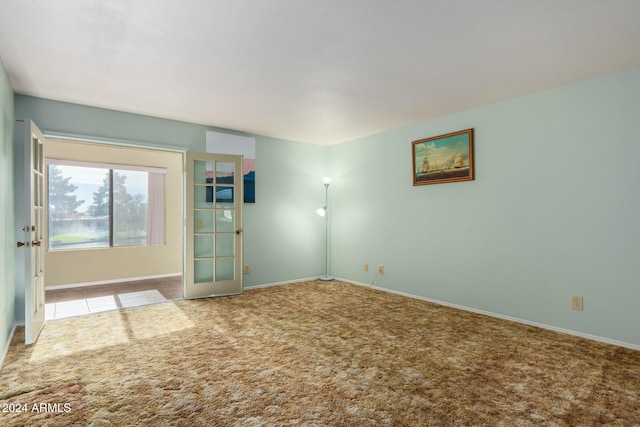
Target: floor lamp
x,y
324,212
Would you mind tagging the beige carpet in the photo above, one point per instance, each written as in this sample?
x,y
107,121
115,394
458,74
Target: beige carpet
x,y
314,354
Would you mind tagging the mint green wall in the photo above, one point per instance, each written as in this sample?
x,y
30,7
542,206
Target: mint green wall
x,y
553,211
283,239
7,236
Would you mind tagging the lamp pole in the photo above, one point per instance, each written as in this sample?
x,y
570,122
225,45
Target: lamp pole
x,y
326,181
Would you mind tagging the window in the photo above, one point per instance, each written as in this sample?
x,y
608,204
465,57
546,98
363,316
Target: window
x,y
130,189
94,205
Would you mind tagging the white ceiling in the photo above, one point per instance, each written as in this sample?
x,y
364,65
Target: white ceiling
x,y
318,71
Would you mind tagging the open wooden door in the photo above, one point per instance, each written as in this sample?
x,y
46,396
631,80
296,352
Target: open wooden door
x,y
213,225
31,195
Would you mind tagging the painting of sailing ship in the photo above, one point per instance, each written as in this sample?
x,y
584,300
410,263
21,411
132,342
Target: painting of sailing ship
x,y
443,158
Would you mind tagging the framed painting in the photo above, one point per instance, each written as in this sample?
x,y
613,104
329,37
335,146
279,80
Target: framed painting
x,y
443,158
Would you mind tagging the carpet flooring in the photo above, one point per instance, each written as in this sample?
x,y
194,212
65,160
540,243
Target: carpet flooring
x,y
313,354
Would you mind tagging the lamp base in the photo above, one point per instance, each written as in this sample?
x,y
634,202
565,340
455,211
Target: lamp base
x,y
325,278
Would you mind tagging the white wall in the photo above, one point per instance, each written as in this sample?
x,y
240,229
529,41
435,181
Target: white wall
x,y
553,211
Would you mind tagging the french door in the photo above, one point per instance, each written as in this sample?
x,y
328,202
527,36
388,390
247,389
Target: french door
x,y
31,222
213,225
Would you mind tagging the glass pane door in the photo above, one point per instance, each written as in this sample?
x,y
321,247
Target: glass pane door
x,y
214,225
30,218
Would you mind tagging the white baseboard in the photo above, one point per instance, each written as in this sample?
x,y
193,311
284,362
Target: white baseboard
x,y
502,316
280,283
110,282
6,348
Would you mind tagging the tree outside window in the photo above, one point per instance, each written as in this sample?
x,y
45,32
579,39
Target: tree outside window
x,y
112,218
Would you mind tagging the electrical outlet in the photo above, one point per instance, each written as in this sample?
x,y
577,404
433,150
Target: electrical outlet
x,y
246,269
381,269
576,302
366,266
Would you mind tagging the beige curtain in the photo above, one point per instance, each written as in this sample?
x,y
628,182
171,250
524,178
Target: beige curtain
x,y
156,209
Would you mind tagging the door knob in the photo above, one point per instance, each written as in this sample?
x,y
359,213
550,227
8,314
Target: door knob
x,y
36,243
20,244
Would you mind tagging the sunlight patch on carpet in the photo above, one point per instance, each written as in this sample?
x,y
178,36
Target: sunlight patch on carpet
x,y
170,319
115,328
53,344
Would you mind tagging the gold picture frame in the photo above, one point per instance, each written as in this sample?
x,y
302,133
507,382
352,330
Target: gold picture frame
x,y
443,158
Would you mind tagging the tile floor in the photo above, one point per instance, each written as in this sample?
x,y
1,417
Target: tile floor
x,y
63,303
